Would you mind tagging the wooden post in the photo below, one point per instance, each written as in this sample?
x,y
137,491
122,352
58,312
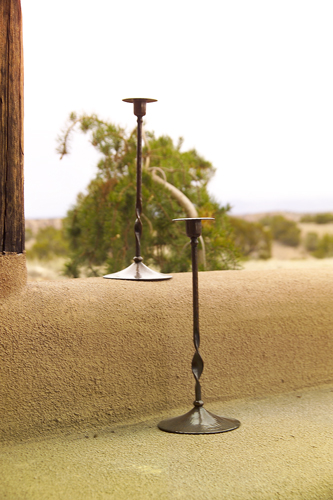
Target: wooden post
x,y
11,132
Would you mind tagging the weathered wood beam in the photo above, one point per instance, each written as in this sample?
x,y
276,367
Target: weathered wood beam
x,y
11,133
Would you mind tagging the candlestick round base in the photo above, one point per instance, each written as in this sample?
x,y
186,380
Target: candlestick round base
x,y
199,421
138,272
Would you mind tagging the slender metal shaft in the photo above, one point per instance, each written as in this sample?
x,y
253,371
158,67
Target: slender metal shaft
x,y
197,362
195,285
193,231
138,207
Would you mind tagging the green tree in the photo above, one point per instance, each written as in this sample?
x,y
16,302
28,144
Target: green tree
x,y
325,247
252,238
50,242
311,241
100,226
321,218
283,230
324,218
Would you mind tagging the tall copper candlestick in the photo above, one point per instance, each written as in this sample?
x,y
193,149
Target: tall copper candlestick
x,y
138,271
198,420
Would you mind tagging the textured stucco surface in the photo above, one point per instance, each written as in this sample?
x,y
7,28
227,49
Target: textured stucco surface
x,y
283,450
102,351
13,274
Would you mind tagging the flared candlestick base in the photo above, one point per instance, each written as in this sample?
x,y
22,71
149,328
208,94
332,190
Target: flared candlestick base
x,y
138,272
199,421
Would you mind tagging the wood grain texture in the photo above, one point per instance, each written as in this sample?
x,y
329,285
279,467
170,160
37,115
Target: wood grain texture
x,y
11,133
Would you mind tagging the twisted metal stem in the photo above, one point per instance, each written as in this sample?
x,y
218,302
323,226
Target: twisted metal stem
x,y
197,361
138,207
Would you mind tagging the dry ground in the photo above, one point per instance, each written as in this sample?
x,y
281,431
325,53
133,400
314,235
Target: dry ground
x,y
274,263
51,270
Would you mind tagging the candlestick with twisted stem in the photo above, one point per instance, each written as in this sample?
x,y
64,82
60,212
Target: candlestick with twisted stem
x,y
198,420
138,270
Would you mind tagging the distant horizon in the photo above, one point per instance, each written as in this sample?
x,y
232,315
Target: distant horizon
x,y
247,207
294,206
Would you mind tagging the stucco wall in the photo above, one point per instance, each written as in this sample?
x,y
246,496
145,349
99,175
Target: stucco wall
x,y
96,350
13,274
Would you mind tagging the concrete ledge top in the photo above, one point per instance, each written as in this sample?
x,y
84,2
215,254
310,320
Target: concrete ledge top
x,y
283,450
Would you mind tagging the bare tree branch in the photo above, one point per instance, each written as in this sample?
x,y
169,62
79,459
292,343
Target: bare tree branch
x,y
180,197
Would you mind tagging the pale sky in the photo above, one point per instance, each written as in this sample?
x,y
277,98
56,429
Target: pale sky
x,y
248,83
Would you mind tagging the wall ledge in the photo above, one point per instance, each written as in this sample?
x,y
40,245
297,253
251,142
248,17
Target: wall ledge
x,y
13,273
105,351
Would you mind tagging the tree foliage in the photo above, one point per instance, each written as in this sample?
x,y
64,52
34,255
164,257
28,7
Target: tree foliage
x,y
283,230
324,247
311,241
49,243
321,218
252,238
100,227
